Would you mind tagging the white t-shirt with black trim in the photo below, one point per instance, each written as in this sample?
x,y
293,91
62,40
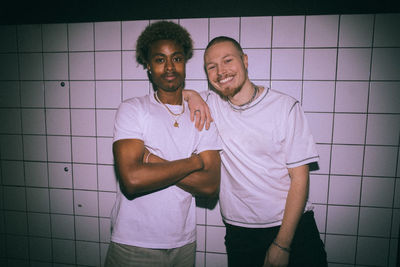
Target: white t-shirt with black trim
x,y
259,144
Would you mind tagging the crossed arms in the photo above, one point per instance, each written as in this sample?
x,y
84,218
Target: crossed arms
x,y
198,174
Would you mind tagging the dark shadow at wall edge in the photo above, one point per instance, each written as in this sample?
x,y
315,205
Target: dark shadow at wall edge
x,y
69,11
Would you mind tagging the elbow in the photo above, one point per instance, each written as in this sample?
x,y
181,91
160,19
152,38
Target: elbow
x,y
210,191
130,186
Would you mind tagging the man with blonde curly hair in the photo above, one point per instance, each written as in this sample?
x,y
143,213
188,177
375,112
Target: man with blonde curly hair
x,y
162,161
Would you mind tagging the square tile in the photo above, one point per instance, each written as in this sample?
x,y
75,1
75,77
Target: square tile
x,y
32,94
354,64
380,161
320,64
395,221
198,30
85,176
344,190
255,32
87,253
356,30
107,35
33,121
321,30
14,198
349,128
80,37
341,249
347,159
105,122
59,148
9,67
216,259
324,152
60,175
318,96
55,66
320,217
131,31
104,151
259,67
383,129
62,226
12,173
384,97
56,94
61,201
385,64
351,96
58,121
9,38
86,203
108,65
287,64
130,68
195,66
105,230
318,189
82,94
15,223
106,203
35,147
17,247
10,94
215,239
55,37
84,149
396,203
135,89
321,126
196,85
377,192
83,122
11,147
64,251
36,174
224,26
372,251
291,88
288,31
107,179
39,224
81,66
87,228
375,222
108,94
40,249
30,66
29,38
386,29
200,238
37,199
10,121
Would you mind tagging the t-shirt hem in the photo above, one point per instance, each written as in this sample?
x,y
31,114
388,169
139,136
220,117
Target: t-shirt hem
x,y
157,245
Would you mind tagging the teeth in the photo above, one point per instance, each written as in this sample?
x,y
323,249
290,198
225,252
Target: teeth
x,y
226,80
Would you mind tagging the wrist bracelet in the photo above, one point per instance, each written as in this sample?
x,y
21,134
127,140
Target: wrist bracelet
x,y
283,248
147,158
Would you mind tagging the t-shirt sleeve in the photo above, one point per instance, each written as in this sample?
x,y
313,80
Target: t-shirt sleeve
x,y
299,143
128,121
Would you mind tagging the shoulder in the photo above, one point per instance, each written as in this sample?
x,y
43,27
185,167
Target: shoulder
x,y
135,103
281,101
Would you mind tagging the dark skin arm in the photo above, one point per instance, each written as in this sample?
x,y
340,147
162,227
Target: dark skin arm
x,y
204,182
138,177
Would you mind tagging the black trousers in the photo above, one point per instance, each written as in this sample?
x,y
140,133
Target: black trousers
x,y
247,247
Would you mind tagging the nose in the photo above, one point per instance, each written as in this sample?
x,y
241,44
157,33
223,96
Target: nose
x,y
169,65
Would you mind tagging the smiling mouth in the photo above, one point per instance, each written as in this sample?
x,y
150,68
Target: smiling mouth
x,y
225,80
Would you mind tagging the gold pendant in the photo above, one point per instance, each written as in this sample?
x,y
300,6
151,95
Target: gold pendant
x,y
176,124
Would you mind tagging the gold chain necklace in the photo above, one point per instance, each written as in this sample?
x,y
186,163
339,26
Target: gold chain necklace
x,y
176,116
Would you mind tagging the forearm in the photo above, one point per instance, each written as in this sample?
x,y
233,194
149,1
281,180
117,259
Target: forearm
x,y
295,203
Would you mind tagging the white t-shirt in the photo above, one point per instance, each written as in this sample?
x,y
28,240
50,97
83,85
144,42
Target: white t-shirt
x,y
259,145
165,218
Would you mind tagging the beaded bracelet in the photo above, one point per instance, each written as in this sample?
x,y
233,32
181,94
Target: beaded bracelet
x,y
283,248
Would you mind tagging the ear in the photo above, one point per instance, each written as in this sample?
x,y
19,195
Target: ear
x,y
245,60
148,68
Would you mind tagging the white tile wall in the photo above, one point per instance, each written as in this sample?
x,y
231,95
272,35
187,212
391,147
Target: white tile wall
x,y
61,84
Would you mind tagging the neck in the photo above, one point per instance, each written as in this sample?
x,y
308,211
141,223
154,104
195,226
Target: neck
x,y
245,94
171,98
